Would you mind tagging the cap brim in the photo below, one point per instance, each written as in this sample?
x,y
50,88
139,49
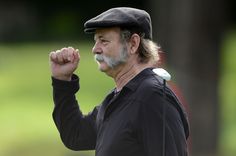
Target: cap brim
x,y
90,30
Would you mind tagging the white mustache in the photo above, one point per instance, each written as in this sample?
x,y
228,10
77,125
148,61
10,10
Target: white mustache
x,y
99,57
112,61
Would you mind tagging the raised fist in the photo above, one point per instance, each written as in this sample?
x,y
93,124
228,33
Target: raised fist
x,y
64,62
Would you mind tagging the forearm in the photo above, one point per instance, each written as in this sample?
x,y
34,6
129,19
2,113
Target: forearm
x,y
76,131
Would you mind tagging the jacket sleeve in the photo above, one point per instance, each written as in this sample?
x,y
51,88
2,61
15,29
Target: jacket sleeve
x,y
150,127
77,131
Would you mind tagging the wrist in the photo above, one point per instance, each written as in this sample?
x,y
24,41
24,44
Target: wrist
x,y
66,86
62,77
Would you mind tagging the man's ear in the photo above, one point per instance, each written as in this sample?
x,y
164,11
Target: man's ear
x,y
134,43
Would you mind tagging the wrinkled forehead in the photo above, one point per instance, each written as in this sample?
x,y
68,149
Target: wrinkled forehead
x,y
111,32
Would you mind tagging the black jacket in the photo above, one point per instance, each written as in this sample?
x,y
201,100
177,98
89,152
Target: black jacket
x,y
129,124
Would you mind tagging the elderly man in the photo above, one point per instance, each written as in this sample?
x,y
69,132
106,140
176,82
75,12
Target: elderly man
x,y
131,120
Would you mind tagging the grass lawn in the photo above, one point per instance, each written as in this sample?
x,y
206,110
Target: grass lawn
x,y
26,103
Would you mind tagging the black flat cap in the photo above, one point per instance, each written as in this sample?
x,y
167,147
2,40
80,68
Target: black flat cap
x,y
124,17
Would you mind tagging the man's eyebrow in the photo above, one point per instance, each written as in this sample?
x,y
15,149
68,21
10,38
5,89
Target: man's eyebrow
x,y
98,37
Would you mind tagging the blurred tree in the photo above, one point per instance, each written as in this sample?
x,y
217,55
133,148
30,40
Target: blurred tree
x,y
29,20
190,32
17,21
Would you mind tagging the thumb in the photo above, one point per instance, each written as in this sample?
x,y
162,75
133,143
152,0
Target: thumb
x,y
76,56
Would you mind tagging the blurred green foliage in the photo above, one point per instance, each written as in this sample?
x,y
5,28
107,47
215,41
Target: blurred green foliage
x,y
227,94
27,128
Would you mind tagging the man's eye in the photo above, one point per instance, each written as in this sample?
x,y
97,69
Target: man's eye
x,y
104,41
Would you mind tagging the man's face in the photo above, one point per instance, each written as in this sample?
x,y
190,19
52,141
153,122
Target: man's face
x,y
108,50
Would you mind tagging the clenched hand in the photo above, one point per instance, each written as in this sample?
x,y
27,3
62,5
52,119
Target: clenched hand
x,y
64,62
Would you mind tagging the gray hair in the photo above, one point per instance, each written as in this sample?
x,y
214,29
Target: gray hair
x,y
147,51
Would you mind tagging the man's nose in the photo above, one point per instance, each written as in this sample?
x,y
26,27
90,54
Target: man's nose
x,y
96,49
